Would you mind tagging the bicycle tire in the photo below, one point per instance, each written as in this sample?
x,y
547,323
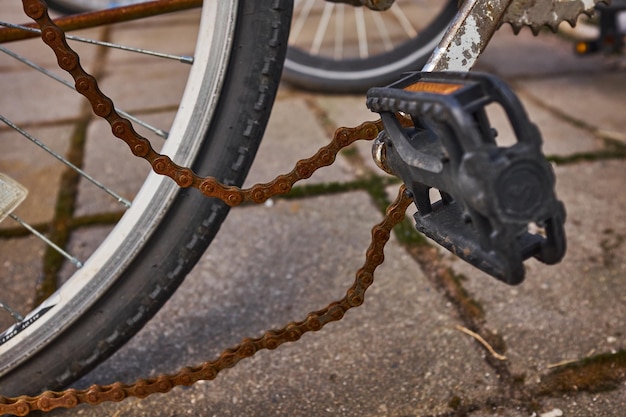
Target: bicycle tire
x,y
318,72
136,288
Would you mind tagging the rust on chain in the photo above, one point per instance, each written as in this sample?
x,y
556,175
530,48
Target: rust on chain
x,y
104,17
314,321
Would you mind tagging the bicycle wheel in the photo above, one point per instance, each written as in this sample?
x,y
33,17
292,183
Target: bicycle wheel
x,y
338,48
221,118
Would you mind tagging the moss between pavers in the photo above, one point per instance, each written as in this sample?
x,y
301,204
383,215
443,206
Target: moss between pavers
x,y
597,373
605,154
59,231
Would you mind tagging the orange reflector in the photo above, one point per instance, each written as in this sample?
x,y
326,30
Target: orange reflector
x,y
582,47
430,87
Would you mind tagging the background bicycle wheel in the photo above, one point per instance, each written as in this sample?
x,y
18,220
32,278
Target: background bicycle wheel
x,y
142,260
338,48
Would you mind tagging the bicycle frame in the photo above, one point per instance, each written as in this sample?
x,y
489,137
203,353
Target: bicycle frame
x,y
459,49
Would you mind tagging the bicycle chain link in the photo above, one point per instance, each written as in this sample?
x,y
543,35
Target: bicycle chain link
x,y
103,106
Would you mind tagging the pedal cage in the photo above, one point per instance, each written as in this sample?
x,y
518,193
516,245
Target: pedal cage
x,y
491,196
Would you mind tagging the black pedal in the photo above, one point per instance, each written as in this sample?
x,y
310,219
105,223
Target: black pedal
x,y
498,206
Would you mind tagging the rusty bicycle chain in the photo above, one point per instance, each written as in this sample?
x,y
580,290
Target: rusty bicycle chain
x,y
184,177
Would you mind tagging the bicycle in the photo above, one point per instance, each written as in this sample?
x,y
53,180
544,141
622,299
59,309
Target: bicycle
x,y
183,181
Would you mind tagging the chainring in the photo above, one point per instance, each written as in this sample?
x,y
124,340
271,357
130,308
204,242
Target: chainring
x,y
539,13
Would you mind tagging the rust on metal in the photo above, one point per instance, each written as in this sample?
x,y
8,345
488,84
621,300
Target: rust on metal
x,y
104,17
468,35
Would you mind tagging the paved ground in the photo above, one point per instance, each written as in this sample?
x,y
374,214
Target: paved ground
x,y
403,353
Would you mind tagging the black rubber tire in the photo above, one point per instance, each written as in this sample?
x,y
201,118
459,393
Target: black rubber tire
x,y
244,107
319,73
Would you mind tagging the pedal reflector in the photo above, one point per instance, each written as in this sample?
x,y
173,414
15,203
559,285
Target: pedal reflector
x,y
12,194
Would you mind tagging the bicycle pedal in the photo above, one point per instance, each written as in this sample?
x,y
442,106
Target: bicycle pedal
x,y
498,206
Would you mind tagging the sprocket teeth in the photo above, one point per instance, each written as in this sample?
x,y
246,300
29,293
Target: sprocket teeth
x,y
536,29
516,28
537,14
554,27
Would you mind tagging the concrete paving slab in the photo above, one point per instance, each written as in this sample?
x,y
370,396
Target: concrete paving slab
x,y
607,404
21,259
133,88
596,100
560,138
82,243
294,133
345,110
110,161
399,355
351,111
35,169
29,98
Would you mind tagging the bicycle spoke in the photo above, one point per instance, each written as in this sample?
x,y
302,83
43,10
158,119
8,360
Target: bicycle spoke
x,y
180,58
322,28
157,131
16,316
301,20
72,259
339,25
361,32
383,32
43,146
404,21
